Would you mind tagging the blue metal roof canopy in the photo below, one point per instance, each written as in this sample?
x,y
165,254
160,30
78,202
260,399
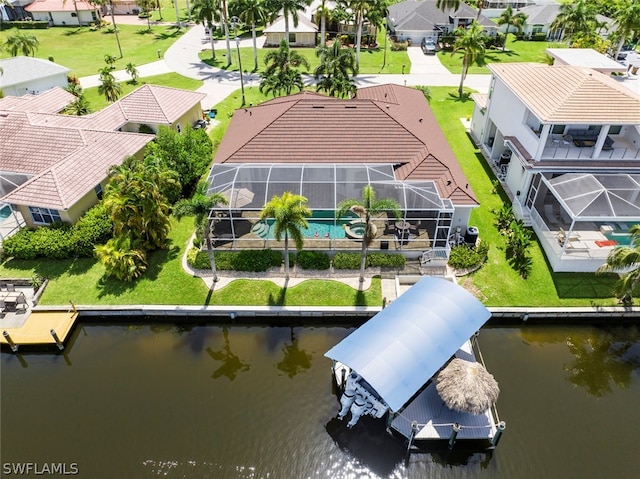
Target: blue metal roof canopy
x,y
404,345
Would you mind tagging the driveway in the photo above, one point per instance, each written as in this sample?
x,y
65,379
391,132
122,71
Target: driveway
x,y
425,64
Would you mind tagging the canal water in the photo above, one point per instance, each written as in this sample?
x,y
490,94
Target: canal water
x,y
209,401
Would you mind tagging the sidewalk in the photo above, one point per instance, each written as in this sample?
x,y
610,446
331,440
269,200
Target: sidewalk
x,y
182,57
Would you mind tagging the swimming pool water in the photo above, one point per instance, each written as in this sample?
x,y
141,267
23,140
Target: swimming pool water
x,y
5,212
623,239
314,230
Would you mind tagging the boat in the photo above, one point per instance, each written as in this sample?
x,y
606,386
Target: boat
x,y
396,366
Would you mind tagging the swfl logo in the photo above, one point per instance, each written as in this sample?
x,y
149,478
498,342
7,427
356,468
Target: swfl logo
x,y
34,468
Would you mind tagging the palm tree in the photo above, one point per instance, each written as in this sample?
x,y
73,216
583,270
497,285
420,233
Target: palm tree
x,y
360,9
509,18
579,17
205,12
625,260
368,206
448,4
122,258
109,5
75,7
109,87
252,12
21,42
322,12
280,73
471,42
290,213
147,6
133,72
333,73
199,205
628,21
79,107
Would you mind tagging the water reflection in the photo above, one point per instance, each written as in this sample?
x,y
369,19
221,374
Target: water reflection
x,y
295,359
602,357
231,363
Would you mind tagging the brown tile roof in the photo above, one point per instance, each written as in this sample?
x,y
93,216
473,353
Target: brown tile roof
x,y
566,94
50,101
384,124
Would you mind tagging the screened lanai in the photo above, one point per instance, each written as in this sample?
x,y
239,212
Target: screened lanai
x,y
425,217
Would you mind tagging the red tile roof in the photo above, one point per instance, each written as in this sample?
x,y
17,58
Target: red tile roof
x,y
60,6
384,124
50,101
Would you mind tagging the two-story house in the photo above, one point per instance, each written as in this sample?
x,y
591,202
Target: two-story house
x,y
565,142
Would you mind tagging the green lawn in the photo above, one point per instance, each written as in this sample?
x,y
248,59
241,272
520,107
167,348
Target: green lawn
x,y
165,282
496,284
371,60
516,51
83,50
98,102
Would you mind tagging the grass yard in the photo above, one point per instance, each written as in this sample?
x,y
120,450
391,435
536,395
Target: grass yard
x,y
83,50
516,51
165,282
371,60
98,102
496,283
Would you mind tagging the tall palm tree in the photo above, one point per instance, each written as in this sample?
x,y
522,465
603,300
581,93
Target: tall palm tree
x,y
361,9
625,260
579,17
368,207
334,74
199,205
627,20
75,7
471,42
448,4
290,213
509,18
21,42
322,12
147,6
109,5
133,72
280,73
205,12
109,87
252,12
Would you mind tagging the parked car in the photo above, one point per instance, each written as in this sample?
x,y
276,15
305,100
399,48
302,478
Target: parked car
x,y
428,47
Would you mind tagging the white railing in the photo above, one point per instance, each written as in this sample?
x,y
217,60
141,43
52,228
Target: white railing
x,y
585,153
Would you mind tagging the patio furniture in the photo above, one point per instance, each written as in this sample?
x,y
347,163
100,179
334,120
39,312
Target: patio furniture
x,y
426,257
562,236
11,287
21,303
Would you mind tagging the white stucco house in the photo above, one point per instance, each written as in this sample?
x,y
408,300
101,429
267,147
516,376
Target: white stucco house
x,y
23,75
541,16
61,13
565,142
301,35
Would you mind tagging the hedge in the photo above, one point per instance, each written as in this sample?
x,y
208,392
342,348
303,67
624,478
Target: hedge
x,y
26,24
248,260
314,260
383,260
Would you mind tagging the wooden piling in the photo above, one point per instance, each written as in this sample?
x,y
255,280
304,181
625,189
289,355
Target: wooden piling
x,y
12,345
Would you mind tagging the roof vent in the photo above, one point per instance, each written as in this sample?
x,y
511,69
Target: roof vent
x,y
351,106
317,106
420,120
448,182
387,106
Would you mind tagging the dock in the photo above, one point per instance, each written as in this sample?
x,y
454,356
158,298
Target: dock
x,y
41,328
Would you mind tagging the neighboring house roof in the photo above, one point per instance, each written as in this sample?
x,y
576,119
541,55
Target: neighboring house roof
x,y
21,69
587,58
568,94
304,25
423,15
50,101
60,6
70,155
384,124
541,14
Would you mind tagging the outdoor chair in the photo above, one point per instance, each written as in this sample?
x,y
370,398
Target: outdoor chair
x,y
426,257
21,303
11,288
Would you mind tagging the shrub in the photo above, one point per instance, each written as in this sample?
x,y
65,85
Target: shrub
x,y
467,257
313,260
93,228
346,261
256,261
19,245
386,260
539,37
399,46
26,25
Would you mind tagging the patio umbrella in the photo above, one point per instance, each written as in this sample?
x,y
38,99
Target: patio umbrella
x,y
467,387
238,197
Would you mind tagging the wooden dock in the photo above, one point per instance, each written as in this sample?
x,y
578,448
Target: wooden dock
x,y
37,329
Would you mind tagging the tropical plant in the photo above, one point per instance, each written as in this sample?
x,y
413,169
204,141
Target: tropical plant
x,y
21,42
323,13
206,12
251,12
110,60
199,205
78,107
147,6
625,260
503,218
470,42
109,6
509,18
290,212
517,250
109,87
426,91
627,19
133,72
573,18
367,207
122,259
334,74
280,73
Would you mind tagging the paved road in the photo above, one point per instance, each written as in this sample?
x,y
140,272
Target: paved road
x,y
182,58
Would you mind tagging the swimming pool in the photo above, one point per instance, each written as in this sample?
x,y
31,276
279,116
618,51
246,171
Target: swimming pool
x,y
5,212
622,238
315,230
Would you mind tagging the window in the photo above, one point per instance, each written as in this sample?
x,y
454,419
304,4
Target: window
x,y
98,190
615,129
558,129
44,216
292,38
537,29
74,14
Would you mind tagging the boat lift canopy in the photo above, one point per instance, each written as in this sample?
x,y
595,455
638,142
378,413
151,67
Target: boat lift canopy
x,y
404,345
